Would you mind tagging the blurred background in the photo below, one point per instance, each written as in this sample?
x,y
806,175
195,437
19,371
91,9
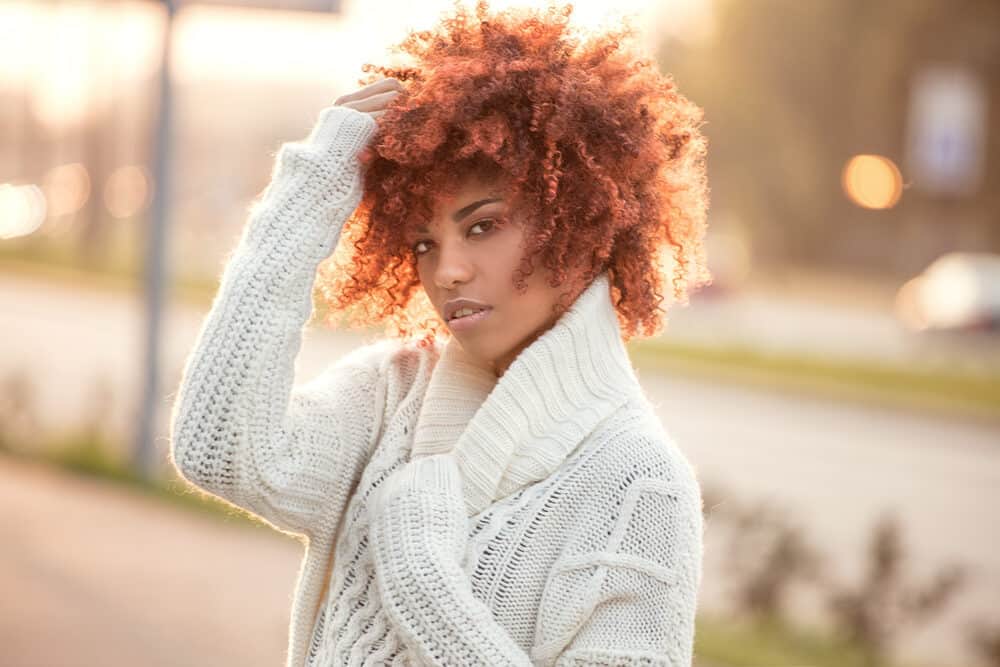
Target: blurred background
x,y
837,387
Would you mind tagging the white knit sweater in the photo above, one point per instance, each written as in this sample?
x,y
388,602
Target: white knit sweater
x,y
449,518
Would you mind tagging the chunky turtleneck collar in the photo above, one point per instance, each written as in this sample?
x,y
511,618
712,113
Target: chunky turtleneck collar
x,y
509,432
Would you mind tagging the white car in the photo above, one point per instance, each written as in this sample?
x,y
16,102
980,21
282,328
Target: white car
x,y
958,291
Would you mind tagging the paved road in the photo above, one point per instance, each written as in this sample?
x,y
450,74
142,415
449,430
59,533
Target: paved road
x,y
94,574
835,467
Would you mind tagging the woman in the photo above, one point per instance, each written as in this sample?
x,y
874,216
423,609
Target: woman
x,y
488,485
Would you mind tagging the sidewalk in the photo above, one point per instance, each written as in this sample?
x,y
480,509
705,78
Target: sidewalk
x,y
96,574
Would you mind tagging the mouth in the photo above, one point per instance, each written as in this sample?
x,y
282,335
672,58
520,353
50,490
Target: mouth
x,y
465,319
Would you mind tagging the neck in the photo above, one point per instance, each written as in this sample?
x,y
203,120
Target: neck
x,y
501,364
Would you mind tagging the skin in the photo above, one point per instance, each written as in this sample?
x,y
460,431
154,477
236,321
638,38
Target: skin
x,y
474,254
476,257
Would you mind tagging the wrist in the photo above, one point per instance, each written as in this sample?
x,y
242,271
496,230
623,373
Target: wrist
x,y
436,472
342,126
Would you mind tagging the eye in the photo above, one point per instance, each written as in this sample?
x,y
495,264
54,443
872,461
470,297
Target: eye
x,y
488,221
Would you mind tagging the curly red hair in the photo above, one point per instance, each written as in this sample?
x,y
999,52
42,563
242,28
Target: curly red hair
x,y
598,149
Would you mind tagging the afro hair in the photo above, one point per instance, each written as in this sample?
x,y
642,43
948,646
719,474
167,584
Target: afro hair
x,y
598,150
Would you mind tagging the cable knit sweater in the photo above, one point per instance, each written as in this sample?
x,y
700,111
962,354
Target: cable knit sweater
x,y
448,517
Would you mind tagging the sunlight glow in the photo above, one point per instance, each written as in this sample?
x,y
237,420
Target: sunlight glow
x,y
67,54
74,57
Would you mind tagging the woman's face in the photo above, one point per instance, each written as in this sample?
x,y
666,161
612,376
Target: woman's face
x,y
471,250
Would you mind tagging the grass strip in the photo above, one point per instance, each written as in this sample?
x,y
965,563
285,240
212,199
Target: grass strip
x,y
766,642
955,394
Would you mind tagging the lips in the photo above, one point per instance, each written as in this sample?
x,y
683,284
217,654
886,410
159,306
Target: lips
x,y
454,306
469,322
465,312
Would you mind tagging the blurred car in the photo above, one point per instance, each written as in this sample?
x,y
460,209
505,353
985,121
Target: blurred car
x,y
959,291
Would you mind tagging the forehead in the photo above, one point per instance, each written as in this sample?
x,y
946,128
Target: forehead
x,y
466,190
439,195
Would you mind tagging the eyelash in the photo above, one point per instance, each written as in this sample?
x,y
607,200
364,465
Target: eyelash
x,y
492,222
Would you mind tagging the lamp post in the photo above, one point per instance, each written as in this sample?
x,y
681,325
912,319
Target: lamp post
x,y
145,460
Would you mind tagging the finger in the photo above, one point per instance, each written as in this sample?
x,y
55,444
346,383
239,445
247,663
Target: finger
x,y
375,102
379,86
390,83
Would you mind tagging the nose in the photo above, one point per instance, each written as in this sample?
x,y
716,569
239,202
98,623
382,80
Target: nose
x,y
453,266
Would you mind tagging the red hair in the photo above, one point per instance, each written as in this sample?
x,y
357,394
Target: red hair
x,y
601,153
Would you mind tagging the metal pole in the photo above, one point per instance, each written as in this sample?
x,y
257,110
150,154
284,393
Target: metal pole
x,y
145,451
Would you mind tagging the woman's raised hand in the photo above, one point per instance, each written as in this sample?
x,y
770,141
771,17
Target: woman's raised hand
x,y
373,98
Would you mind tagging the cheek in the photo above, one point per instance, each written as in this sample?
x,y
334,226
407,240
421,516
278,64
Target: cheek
x,y
501,258
505,252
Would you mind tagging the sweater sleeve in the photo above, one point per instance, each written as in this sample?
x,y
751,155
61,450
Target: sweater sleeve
x,y
239,429
418,532
639,596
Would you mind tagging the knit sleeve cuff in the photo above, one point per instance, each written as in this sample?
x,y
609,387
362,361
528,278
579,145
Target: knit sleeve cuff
x,y
315,184
437,472
343,127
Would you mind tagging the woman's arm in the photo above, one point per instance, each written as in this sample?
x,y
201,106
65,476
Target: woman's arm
x,y
238,428
419,532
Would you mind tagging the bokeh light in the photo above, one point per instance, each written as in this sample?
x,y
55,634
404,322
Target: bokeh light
x,y
126,191
872,181
67,189
22,210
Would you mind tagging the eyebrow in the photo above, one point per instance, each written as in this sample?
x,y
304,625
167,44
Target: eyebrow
x,y
466,210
